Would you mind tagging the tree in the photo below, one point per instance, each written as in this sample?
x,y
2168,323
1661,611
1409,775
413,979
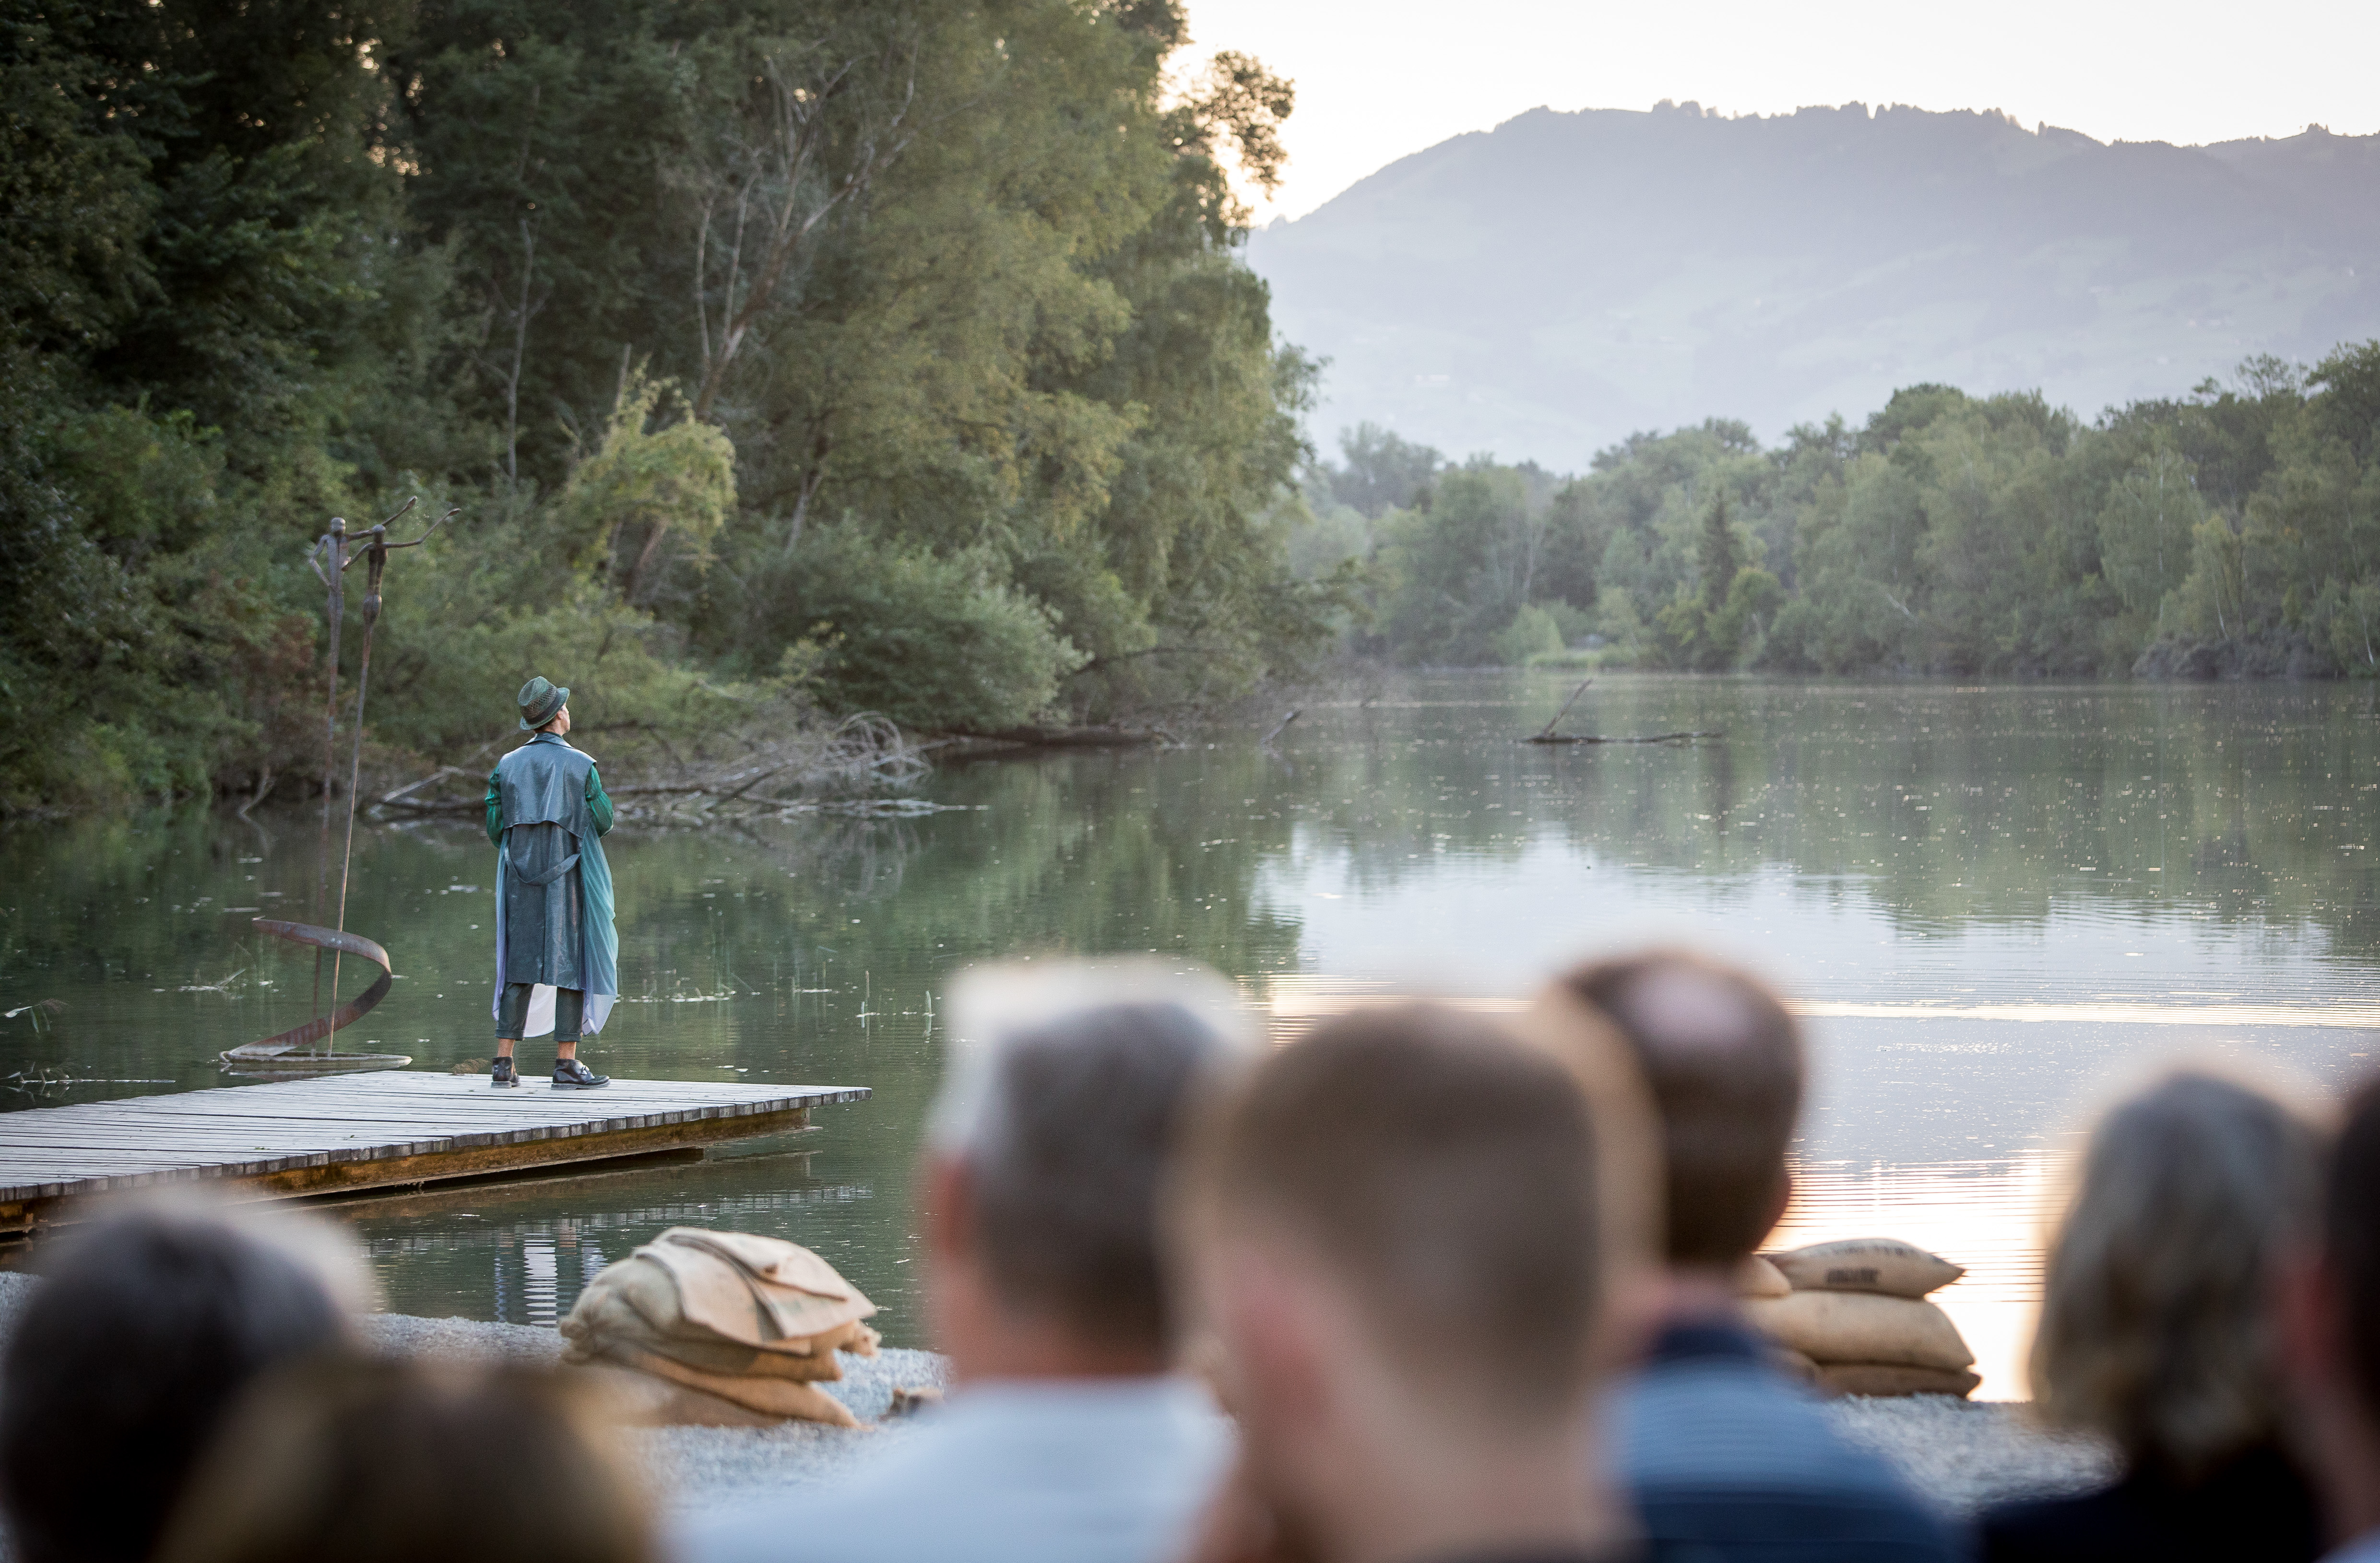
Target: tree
x,y
1379,470
1706,626
2144,530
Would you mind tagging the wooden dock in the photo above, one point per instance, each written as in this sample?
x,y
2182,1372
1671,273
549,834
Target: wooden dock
x,y
360,1132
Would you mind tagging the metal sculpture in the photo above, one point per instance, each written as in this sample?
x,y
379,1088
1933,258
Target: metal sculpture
x,y
335,552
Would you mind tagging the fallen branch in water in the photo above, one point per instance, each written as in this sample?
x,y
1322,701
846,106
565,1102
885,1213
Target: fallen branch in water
x,y
1592,738
1547,734
866,749
1068,738
409,790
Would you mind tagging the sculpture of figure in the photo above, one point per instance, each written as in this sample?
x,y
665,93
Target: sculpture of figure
x,y
547,813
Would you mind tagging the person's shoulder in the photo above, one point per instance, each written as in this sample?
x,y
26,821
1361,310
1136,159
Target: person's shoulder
x,y
1722,1458
1716,1425
2075,1525
781,1528
897,1503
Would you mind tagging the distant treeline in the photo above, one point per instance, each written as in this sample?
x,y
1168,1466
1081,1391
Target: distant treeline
x,y
2231,532
781,354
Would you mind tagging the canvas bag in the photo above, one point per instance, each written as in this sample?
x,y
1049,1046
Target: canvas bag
x,y
1880,1265
606,1316
1893,1378
1853,1326
757,1291
778,1398
1757,1277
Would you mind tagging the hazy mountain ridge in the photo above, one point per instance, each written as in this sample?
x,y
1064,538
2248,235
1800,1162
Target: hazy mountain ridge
x,y
1545,288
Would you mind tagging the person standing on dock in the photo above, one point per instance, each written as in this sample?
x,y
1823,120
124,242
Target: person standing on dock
x,y
547,813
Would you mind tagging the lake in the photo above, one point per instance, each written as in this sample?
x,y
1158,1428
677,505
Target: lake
x,y
1995,904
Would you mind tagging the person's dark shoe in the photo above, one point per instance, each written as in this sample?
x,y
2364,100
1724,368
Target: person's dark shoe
x,y
503,1074
569,1074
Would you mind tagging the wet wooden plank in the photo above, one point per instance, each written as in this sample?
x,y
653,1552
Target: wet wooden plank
x,y
354,1132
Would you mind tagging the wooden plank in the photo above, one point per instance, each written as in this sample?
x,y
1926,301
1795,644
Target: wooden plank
x,y
292,1138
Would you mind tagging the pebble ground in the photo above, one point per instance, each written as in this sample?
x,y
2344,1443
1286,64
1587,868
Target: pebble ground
x,y
1960,1454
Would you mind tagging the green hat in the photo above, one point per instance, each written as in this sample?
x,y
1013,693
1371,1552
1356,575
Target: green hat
x,y
538,701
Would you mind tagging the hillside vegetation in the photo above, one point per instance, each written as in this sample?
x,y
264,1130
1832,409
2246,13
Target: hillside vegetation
x,y
781,355
2231,532
1545,288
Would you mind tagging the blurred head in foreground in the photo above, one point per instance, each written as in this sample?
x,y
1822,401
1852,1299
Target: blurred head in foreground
x,y
1069,1086
384,1461
2157,1327
2332,1311
1721,1059
1391,1232
150,1322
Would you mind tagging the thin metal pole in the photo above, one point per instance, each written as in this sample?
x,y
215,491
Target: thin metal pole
x,y
375,555
333,545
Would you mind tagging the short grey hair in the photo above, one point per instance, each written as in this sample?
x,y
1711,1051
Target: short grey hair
x,y
2156,1328
1066,1092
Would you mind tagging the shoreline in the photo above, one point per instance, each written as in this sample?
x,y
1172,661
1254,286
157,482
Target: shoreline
x,y
1960,1455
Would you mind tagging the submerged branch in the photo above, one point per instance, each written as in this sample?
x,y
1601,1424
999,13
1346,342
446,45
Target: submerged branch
x,y
866,752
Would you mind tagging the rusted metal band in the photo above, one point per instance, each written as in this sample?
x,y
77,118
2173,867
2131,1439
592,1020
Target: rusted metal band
x,y
346,1014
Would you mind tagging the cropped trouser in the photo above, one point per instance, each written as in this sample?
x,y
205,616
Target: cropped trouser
x,y
569,1004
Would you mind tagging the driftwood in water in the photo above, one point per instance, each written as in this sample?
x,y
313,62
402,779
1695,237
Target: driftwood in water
x,y
864,749
1546,735
1593,738
1068,738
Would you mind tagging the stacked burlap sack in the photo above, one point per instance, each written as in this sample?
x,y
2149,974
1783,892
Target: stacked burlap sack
x,y
1853,1319
720,1329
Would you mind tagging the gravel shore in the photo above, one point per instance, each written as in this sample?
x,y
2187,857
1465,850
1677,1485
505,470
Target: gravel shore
x,y
1960,1454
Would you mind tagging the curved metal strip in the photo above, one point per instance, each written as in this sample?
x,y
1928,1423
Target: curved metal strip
x,y
346,1014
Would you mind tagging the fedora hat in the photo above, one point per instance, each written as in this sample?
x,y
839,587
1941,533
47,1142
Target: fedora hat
x,y
539,700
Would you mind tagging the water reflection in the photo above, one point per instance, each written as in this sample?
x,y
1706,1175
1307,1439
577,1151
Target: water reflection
x,y
520,1253
1990,902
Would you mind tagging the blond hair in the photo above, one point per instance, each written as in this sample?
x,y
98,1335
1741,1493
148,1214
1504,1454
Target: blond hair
x,y
2156,1321
1445,1171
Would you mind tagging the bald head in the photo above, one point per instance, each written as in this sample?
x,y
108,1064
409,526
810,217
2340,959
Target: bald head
x,y
1723,1061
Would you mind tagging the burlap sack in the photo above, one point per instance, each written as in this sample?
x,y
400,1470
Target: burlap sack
x,y
1758,1277
1880,1265
640,1399
633,1301
638,1303
815,1364
1894,1378
778,1398
757,1291
1853,1326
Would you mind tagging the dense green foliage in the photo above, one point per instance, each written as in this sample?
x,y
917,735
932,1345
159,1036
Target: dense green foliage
x,y
2235,531
893,352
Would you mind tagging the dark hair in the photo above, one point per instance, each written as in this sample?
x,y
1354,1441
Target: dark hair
x,y
150,1323
352,1459
1722,1060
2350,1237
1065,1185
1445,1171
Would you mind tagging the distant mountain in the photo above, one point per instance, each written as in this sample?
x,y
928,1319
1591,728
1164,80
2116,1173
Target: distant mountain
x,y
1545,288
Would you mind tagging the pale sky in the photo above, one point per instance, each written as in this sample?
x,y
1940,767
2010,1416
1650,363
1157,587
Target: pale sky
x,y
1379,78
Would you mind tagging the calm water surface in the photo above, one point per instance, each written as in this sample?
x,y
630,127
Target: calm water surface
x,y
1996,905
